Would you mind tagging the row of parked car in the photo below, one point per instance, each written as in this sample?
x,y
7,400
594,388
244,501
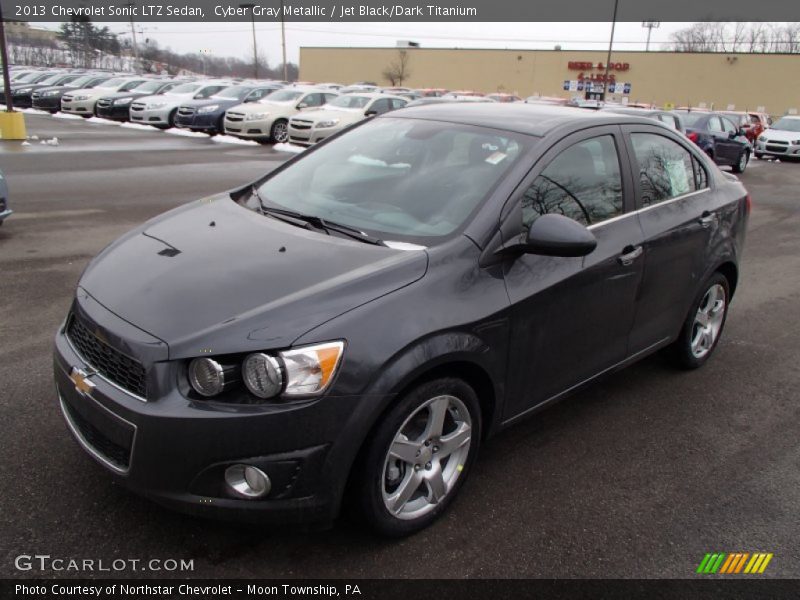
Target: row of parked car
x,y
306,113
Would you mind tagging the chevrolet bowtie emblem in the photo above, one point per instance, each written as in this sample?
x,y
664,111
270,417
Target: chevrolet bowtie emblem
x,y
81,380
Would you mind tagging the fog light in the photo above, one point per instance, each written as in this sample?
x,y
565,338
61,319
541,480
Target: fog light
x,y
247,481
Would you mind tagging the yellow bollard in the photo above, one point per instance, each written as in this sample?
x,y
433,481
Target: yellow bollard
x,y
12,125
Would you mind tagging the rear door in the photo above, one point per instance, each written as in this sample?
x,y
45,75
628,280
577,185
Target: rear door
x,y
678,215
723,154
571,316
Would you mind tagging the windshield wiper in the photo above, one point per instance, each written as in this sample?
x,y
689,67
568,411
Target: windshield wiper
x,y
313,221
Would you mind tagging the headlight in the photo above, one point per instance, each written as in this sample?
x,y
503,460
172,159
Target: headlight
x,y
208,377
329,123
51,93
207,109
79,98
309,370
155,105
256,116
262,375
21,90
122,101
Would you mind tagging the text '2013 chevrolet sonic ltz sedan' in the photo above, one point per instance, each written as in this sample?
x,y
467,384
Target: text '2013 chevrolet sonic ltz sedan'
x,y
346,331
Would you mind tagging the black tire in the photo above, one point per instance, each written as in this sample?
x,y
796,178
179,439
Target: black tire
x,y
370,471
279,129
680,351
171,118
741,164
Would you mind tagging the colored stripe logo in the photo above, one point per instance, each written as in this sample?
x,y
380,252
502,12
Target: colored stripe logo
x,y
734,563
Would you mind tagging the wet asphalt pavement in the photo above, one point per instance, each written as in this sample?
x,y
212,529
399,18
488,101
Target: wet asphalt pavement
x,y
638,476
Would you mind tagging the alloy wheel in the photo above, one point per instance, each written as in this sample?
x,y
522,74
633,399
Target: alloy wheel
x,y
280,132
426,457
743,161
708,321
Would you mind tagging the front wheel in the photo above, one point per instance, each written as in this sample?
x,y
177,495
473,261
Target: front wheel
x,y
418,457
703,326
741,164
279,133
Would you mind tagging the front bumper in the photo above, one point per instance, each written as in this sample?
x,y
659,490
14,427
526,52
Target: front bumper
x,y
777,148
155,116
306,134
198,122
248,129
113,112
49,103
78,107
175,450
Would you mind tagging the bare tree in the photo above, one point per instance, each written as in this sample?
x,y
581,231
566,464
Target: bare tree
x,y
397,71
737,37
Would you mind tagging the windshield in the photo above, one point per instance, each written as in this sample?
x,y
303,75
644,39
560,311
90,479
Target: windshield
x,y
186,88
350,101
149,86
786,124
398,178
55,79
27,78
282,96
112,83
690,118
81,81
237,92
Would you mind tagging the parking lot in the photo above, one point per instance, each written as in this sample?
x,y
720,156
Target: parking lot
x,y
638,476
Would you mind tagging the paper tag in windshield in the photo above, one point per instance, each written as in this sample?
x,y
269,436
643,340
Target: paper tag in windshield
x,y
495,157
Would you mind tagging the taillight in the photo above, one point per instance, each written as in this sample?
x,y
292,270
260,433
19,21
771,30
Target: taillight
x,y
693,136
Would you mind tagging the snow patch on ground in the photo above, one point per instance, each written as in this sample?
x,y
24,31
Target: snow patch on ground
x,y
33,111
101,120
60,115
139,127
229,139
289,148
187,133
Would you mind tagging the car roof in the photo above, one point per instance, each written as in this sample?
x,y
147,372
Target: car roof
x,y
531,119
643,112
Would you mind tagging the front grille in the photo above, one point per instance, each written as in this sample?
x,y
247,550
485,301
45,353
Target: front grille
x,y
772,148
104,103
117,455
66,98
301,124
185,111
127,373
234,117
137,106
35,95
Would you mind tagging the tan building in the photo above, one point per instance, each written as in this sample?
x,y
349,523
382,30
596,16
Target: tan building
x,y
747,81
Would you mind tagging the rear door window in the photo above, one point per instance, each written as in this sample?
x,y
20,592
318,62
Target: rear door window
x,y
583,183
666,169
714,124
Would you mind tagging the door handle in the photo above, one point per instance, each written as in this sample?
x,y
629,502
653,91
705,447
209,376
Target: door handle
x,y
630,254
706,219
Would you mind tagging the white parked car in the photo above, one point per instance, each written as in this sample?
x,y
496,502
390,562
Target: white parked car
x,y
781,139
82,102
268,118
160,110
312,127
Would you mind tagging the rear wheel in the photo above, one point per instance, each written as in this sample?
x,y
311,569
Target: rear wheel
x,y
703,326
279,133
741,164
418,457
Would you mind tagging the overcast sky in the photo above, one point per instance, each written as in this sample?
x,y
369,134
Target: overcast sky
x,y
235,39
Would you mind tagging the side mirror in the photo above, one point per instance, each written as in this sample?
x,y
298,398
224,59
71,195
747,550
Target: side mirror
x,y
302,105
370,113
557,235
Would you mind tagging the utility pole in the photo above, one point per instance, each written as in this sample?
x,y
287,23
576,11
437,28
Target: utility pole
x,y
283,45
249,6
12,123
131,5
610,44
650,25
4,52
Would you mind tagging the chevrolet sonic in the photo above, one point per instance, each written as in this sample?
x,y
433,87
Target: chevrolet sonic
x,y
347,330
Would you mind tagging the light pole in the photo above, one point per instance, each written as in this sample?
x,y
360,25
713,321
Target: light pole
x,y
12,123
135,43
283,45
610,44
251,6
650,25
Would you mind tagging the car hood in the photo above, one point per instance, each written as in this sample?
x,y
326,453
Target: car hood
x,y
781,135
92,92
326,114
167,98
267,107
115,95
223,102
215,275
57,88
